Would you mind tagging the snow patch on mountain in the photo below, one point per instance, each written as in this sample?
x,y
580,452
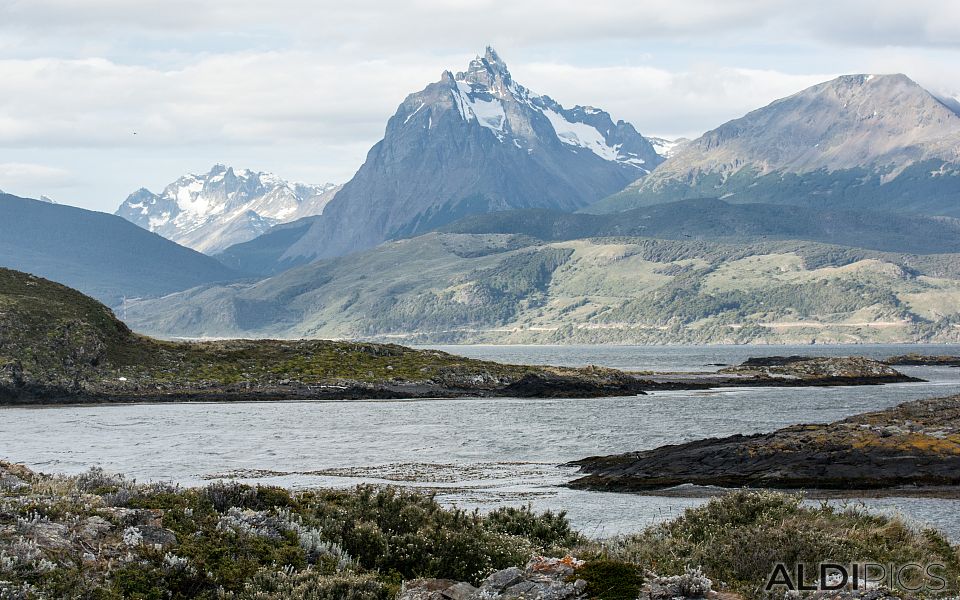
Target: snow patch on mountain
x,y
667,148
580,134
485,91
488,113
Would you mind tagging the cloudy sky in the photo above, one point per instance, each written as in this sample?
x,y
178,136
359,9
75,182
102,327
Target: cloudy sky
x,y
101,97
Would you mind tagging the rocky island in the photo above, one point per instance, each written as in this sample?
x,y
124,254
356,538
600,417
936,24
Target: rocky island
x,y
913,449
58,345
785,371
923,360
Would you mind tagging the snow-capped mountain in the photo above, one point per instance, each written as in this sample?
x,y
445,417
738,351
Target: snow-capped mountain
x,y
475,142
212,211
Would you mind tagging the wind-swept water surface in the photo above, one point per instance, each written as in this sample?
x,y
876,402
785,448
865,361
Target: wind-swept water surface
x,y
474,452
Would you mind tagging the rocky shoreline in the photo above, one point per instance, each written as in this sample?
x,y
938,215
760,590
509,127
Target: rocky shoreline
x,y
912,448
452,377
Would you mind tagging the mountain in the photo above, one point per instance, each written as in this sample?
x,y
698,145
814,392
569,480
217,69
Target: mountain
x,y
100,254
717,220
496,288
212,211
267,254
858,141
470,143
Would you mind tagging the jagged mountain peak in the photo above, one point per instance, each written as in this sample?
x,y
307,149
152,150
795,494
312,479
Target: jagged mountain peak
x,y
487,95
491,56
488,70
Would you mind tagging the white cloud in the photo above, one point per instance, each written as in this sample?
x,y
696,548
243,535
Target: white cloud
x,y
667,103
377,24
276,98
304,87
267,98
16,175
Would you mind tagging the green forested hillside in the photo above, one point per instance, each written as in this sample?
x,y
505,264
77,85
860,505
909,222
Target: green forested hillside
x,y
509,288
718,220
928,187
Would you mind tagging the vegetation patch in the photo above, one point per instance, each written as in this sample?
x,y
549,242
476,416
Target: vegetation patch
x,y
102,536
738,538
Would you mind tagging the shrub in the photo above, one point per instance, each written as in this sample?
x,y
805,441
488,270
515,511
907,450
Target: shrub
x,y
739,537
411,534
611,579
310,585
548,530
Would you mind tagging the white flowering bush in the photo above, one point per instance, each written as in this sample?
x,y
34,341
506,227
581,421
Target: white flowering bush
x,y
132,536
287,584
319,549
24,555
96,479
692,584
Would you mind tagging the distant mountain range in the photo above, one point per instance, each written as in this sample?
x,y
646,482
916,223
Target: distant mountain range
x,y
102,255
473,142
491,213
214,210
878,142
504,288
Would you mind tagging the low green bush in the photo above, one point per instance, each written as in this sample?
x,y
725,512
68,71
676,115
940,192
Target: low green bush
x,y
611,579
66,537
738,538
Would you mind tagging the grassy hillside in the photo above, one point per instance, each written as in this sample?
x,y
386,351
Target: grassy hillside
x,y
102,255
510,288
263,255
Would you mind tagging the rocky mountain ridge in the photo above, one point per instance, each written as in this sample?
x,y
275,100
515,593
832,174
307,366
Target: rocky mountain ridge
x,y
857,141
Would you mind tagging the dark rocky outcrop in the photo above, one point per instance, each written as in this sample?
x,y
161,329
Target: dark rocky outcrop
x,y
914,444
819,370
923,360
785,371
